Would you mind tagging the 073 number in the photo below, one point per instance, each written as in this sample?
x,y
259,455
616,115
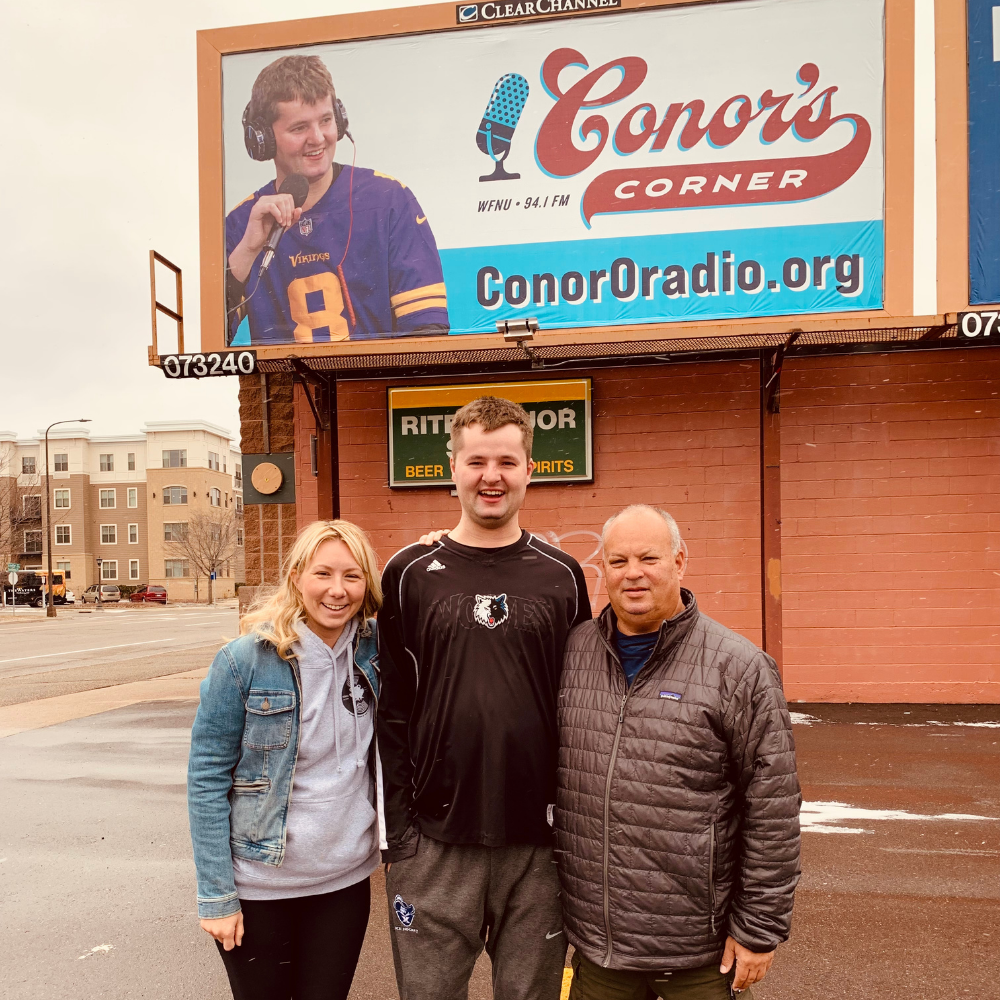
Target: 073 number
x,y
206,365
975,324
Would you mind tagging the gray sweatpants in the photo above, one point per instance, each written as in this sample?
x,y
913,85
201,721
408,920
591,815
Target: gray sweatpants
x,y
449,901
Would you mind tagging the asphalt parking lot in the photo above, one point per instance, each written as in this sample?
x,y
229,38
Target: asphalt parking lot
x,y
901,857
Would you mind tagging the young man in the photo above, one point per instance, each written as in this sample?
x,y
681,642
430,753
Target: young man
x,y
359,260
471,639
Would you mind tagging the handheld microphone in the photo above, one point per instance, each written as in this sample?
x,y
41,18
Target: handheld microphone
x,y
298,187
499,121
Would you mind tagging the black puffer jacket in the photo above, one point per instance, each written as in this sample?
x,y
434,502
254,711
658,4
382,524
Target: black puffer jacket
x,y
677,818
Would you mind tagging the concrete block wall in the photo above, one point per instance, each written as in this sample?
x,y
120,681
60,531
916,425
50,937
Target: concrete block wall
x,y
890,480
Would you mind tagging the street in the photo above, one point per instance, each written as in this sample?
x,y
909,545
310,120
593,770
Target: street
x,y
84,647
900,891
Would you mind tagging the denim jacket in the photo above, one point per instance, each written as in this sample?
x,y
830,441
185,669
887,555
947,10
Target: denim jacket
x,y
244,745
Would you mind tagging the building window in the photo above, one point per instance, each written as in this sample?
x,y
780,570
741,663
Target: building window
x,y
64,534
239,505
133,569
107,463
224,460
239,536
131,461
61,463
27,466
109,534
133,534
175,495
176,567
61,498
109,569
107,500
213,460
63,568
31,506
175,531
215,497
238,474
177,459
133,496
32,543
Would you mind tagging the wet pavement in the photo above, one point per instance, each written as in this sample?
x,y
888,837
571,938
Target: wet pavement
x,y
900,892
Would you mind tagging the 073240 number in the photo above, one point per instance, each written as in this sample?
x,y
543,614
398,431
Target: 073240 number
x,y
206,365
978,324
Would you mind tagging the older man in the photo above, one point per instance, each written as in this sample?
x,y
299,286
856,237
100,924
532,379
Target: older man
x,y
677,827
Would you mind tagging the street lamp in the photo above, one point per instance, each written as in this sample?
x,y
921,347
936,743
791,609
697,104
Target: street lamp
x,y
50,608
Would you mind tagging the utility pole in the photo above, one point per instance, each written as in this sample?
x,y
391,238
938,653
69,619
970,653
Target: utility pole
x,y
50,608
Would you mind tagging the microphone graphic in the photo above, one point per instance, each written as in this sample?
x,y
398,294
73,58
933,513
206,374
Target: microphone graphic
x,y
498,124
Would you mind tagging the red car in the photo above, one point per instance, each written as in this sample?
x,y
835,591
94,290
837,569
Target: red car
x,y
150,593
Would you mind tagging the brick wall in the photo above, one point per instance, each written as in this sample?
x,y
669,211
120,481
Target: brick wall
x,y
269,529
683,437
890,527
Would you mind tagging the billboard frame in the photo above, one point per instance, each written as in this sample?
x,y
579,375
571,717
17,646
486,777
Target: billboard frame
x,y
906,124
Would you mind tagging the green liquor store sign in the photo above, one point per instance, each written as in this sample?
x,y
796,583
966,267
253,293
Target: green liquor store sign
x,y
420,429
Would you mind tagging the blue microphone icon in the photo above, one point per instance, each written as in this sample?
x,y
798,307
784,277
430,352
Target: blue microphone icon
x,y
498,124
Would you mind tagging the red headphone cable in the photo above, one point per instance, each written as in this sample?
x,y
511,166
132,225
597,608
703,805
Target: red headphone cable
x,y
353,320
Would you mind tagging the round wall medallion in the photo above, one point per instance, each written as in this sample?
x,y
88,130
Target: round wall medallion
x,y
267,478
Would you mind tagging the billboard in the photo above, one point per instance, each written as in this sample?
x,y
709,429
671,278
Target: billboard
x,y
984,152
420,428
684,163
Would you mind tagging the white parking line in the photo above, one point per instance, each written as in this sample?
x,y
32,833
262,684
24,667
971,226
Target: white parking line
x,y
92,649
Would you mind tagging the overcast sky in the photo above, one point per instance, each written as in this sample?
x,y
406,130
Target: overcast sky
x,y
100,164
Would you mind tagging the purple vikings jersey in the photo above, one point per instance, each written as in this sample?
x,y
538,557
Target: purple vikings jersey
x,y
392,269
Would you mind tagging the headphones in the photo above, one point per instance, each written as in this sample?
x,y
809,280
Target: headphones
x,y
259,138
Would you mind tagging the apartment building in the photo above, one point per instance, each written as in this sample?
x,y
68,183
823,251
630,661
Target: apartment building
x,y
128,500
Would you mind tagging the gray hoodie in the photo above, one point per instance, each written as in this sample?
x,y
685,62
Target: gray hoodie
x,y
332,835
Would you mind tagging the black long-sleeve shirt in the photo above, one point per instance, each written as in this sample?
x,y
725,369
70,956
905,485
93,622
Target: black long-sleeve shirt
x,y
470,652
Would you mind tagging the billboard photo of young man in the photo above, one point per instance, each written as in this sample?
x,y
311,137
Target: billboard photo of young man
x,y
358,259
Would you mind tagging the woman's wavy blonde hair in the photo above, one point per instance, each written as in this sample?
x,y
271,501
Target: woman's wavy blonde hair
x,y
274,616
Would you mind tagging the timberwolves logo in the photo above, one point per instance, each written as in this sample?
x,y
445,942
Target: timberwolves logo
x,y
360,696
491,609
405,912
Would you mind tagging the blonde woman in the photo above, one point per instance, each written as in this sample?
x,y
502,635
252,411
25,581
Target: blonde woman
x,y
281,776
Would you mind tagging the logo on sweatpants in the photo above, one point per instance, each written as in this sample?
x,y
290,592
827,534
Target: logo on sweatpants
x,y
405,912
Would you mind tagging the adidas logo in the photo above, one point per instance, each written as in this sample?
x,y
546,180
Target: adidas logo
x,y
433,565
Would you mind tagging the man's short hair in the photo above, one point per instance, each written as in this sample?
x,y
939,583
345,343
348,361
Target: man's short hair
x,y
491,413
290,78
676,542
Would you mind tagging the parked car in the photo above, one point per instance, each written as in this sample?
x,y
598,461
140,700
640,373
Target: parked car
x,y
109,594
70,597
149,593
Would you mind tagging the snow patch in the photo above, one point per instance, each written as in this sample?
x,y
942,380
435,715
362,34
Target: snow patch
x,y
100,949
801,719
817,817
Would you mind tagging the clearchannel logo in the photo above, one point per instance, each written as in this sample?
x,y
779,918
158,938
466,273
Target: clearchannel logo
x,y
468,13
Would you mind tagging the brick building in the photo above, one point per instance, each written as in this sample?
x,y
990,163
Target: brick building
x,y
124,499
862,550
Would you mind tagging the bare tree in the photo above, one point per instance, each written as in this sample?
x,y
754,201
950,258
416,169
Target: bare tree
x,y
208,542
20,505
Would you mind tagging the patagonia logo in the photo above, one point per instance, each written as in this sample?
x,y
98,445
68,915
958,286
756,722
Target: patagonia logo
x,y
672,695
